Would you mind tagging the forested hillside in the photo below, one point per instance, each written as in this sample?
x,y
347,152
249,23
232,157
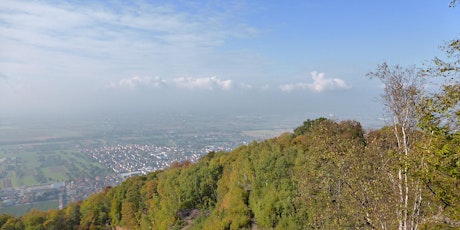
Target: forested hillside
x,y
325,175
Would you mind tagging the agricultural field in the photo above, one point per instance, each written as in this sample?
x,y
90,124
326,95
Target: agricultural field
x,y
45,162
47,150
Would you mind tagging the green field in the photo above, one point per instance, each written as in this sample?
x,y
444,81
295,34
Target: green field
x,y
44,162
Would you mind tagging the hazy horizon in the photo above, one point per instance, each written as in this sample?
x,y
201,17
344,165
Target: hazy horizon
x,y
306,58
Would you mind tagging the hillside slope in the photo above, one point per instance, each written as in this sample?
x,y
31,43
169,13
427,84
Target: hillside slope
x,y
325,175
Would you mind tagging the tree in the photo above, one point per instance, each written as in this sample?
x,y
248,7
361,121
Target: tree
x,y
72,214
439,115
335,182
403,88
8,222
55,220
308,125
93,212
34,219
128,218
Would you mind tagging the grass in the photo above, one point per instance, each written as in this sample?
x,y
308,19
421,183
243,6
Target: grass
x,y
57,173
27,181
51,160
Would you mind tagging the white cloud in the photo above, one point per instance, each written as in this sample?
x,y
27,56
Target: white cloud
x,y
295,86
204,83
207,83
320,84
245,86
137,82
111,39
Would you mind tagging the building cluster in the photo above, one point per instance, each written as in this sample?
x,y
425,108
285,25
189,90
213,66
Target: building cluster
x,y
64,192
141,159
80,188
124,160
30,194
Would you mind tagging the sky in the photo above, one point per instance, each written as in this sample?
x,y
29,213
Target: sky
x,y
309,56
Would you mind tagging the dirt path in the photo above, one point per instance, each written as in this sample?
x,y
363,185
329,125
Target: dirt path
x,y
254,225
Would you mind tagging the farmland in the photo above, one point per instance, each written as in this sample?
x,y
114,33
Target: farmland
x,y
43,162
47,150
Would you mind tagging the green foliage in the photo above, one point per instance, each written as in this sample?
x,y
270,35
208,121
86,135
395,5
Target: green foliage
x,y
8,222
72,215
308,125
94,212
34,220
439,116
327,181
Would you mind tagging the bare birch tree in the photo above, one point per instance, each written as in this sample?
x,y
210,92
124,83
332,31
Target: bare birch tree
x,y
402,91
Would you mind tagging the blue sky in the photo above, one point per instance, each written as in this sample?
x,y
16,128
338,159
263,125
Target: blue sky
x,y
283,55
